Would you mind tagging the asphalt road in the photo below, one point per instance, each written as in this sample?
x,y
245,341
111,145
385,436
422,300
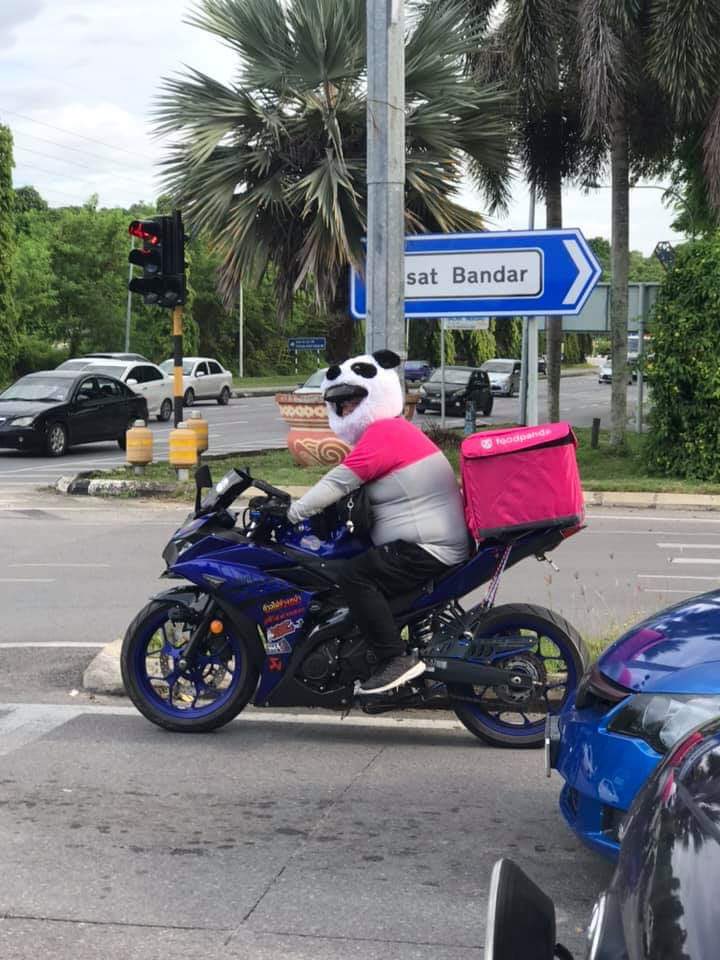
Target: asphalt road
x,y
282,836
255,423
285,838
94,563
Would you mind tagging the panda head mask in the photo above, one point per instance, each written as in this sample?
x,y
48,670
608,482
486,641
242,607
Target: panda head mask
x,y
361,391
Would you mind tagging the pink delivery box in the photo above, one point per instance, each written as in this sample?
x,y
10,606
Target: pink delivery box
x,y
521,479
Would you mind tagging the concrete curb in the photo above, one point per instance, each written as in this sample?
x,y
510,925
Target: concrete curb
x,y
103,675
652,501
82,485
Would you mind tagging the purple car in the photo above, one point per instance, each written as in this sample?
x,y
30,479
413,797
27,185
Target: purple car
x,y
417,371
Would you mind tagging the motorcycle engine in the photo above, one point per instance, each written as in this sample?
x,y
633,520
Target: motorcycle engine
x,y
338,662
321,664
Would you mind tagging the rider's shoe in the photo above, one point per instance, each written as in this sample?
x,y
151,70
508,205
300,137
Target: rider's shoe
x,y
392,674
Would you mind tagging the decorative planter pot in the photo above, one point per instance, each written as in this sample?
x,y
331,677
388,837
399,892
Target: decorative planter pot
x,y
310,439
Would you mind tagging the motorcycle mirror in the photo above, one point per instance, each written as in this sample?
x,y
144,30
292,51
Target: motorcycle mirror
x,y
203,480
520,918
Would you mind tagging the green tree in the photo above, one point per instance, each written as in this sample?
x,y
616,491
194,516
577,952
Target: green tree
x,y
683,373
34,289
649,74
88,257
8,317
601,248
273,167
508,337
28,199
533,51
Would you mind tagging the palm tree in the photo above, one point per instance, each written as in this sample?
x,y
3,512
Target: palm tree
x,y
533,51
272,167
649,75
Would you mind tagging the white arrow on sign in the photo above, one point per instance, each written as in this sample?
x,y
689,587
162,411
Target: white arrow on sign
x,y
585,271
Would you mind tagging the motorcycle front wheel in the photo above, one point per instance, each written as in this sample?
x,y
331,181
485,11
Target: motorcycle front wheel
x,y
554,658
206,694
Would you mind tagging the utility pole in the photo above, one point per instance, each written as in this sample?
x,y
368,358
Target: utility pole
x,y
529,382
385,323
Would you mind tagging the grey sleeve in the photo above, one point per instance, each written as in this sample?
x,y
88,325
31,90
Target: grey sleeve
x,y
335,485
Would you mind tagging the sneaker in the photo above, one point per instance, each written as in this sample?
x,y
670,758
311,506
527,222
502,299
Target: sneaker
x,y
391,674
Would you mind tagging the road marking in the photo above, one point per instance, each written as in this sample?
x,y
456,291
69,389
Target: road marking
x,y
685,593
91,566
51,645
644,518
64,712
674,576
695,560
26,580
689,546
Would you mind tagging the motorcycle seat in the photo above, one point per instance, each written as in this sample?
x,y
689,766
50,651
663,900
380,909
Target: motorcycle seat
x,y
404,601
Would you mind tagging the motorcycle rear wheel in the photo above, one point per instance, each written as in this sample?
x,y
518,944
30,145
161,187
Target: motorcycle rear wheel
x,y
558,658
206,695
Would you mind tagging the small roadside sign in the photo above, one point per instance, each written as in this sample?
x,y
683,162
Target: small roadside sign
x,y
467,323
306,343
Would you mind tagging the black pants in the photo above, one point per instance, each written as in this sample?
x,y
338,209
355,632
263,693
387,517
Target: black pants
x,y
368,581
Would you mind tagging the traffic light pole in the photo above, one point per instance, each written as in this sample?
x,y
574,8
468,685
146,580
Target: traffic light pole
x,y
178,388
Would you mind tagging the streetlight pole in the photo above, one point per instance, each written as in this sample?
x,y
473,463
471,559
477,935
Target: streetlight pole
x,y
385,326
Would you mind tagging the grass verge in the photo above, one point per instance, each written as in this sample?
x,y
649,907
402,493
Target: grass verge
x,y
602,469
288,380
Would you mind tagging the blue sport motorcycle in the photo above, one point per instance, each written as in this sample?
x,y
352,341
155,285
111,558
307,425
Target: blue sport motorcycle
x,y
260,619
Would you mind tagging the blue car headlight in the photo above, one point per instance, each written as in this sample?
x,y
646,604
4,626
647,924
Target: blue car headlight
x,y
662,719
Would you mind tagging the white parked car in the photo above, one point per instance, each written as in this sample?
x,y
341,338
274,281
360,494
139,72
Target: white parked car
x,y
203,379
504,376
144,378
313,382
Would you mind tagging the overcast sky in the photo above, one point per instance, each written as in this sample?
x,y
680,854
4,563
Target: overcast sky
x,y
77,80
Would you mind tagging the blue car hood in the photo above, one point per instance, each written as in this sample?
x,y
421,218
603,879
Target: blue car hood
x,y
682,636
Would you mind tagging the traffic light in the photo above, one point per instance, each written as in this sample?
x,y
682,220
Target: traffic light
x,y
162,258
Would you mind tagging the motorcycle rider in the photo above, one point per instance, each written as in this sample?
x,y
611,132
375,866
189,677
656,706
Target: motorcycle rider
x,y
418,529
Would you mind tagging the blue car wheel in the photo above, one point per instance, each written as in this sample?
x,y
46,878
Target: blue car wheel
x,y
550,652
204,695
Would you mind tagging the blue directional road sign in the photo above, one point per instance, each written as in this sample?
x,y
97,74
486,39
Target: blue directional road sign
x,y
306,343
533,272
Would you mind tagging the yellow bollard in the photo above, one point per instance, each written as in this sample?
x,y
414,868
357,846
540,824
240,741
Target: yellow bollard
x,y
183,450
139,446
200,429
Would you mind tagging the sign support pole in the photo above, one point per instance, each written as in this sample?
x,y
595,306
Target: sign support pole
x,y
442,373
385,326
531,399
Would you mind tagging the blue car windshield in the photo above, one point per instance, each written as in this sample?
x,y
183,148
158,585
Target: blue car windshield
x,y
38,389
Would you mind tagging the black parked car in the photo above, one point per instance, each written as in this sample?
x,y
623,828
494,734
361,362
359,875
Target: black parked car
x,y
56,409
457,382
662,900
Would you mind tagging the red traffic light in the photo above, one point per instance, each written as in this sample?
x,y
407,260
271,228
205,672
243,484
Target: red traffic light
x,y
148,230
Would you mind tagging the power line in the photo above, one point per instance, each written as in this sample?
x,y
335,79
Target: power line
x,y
77,163
62,146
80,136
55,173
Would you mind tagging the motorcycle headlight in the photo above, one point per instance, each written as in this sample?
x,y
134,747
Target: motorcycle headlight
x,y
174,550
22,421
663,719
